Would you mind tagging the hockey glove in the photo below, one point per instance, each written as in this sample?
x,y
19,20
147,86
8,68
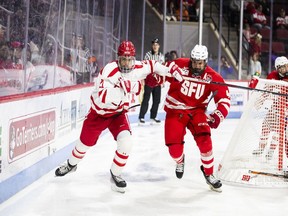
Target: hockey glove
x,y
253,82
176,73
125,85
215,118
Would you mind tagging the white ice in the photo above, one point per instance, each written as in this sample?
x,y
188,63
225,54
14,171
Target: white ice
x,y
152,189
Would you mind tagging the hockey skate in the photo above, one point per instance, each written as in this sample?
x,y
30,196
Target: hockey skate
x,y
213,183
141,121
154,121
65,169
180,169
117,183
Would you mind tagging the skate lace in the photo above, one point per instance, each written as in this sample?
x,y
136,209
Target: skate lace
x,y
180,167
212,179
65,168
118,178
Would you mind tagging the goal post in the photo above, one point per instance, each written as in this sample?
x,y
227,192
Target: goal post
x,y
259,142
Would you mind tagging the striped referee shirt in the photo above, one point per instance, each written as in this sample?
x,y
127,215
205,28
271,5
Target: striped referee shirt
x,y
157,57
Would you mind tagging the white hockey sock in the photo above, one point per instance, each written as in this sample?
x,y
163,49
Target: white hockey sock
x,y
179,159
78,153
124,146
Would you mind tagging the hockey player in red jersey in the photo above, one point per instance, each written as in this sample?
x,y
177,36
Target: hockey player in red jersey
x,y
109,105
280,72
272,127
185,107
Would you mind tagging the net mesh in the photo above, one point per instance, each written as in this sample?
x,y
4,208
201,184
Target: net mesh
x,y
259,142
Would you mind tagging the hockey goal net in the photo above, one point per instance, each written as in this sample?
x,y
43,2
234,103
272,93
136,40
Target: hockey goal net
x,y
259,143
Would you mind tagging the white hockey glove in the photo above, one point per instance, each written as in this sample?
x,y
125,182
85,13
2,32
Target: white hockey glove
x,y
176,72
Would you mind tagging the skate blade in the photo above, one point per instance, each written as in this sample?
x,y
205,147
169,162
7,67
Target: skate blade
x,y
219,190
117,189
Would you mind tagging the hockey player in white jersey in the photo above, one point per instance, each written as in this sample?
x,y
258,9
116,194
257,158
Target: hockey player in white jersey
x,y
109,107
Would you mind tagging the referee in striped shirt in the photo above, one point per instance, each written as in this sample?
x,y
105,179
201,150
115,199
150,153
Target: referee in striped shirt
x,y
151,86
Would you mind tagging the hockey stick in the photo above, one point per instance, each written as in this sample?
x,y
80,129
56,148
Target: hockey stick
x,y
133,106
231,85
268,174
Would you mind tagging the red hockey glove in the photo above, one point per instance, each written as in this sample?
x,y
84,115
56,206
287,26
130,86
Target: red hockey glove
x,y
153,80
215,118
253,82
176,73
125,85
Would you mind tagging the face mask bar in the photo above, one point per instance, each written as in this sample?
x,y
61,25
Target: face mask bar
x,y
126,63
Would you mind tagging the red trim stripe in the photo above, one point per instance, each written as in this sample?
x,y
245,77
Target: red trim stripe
x,y
79,151
77,156
118,164
124,157
113,72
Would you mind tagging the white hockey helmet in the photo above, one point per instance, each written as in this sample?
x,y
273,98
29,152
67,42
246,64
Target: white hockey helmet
x,y
199,52
280,61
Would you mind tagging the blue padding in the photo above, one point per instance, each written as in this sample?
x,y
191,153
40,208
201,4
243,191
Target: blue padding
x,y
14,184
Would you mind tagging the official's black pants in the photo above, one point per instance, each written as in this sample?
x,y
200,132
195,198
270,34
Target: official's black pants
x,y
156,97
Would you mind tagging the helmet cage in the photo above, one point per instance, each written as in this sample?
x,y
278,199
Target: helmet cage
x,y
126,63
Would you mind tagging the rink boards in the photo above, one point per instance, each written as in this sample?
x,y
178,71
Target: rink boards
x,y
39,130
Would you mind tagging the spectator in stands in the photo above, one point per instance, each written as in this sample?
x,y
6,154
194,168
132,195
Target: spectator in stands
x,y
18,61
255,45
282,20
2,35
234,12
192,7
259,18
225,68
79,56
265,6
185,13
35,56
249,9
5,57
173,55
152,86
255,68
248,36
171,9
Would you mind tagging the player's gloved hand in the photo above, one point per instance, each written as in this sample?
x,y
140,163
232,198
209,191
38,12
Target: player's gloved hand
x,y
153,80
176,73
253,82
214,119
125,85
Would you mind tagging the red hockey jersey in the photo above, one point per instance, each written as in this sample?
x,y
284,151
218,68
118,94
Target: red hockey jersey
x,y
189,95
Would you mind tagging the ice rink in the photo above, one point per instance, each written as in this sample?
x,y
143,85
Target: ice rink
x,y
152,187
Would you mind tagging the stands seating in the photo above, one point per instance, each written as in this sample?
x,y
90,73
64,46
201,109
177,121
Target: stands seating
x,y
264,47
278,48
265,32
281,35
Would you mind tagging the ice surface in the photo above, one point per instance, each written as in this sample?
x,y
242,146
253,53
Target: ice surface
x,y
153,188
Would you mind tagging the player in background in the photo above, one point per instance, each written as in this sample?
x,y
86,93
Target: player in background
x,y
271,127
185,107
109,106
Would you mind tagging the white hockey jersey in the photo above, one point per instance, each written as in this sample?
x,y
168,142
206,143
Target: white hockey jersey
x,y
108,98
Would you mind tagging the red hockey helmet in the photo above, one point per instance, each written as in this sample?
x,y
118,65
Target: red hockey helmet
x,y
126,48
126,56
